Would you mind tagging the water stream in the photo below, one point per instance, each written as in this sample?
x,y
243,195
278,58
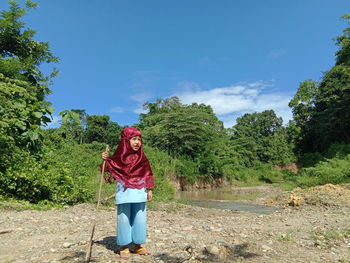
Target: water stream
x,y
228,198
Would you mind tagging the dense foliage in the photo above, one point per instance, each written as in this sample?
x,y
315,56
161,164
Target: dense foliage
x,y
23,86
178,129
183,142
261,137
322,110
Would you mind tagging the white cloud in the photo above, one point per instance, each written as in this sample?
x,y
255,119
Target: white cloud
x,y
141,97
139,109
116,110
186,86
235,100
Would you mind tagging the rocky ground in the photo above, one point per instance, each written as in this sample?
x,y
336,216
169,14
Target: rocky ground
x,y
309,226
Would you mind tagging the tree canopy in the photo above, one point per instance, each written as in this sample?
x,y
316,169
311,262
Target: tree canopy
x,y
322,110
23,86
261,137
180,129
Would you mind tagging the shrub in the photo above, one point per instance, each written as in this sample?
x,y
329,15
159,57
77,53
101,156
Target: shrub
x,y
338,150
332,171
164,168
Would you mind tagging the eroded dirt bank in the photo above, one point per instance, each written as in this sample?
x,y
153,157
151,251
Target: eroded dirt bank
x,y
318,230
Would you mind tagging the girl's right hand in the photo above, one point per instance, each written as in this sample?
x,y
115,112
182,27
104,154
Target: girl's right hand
x,y
105,155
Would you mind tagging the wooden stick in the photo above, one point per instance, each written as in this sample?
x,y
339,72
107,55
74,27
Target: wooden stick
x,y
101,180
103,201
88,253
4,231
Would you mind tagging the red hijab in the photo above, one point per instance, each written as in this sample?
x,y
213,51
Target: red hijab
x,y
128,167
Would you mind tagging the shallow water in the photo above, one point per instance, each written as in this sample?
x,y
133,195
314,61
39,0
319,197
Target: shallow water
x,y
236,206
227,198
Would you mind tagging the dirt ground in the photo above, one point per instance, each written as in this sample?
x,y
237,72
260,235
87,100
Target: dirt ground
x,y
308,226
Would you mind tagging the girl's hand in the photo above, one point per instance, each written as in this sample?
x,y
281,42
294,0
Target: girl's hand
x,y
149,195
105,155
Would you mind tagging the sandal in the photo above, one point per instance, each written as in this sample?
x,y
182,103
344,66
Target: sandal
x,y
141,251
125,253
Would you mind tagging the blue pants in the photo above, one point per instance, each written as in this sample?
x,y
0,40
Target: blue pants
x,y
131,223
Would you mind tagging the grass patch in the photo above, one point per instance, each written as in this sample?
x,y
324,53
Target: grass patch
x,y
248,183
168,207
182,201
20,205
286,237
330,237
286,185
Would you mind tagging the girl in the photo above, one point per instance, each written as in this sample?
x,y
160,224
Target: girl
x,y
132,171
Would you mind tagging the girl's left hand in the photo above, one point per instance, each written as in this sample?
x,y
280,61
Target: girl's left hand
x,y
149,195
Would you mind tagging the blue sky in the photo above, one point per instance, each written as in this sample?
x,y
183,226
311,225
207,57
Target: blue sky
x,y
238,56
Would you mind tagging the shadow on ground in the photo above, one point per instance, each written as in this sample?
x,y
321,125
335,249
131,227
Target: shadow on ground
x,y
109,243
227,254
239,251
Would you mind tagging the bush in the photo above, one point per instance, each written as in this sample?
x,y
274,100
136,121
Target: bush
x,y
187,170
163,167
338,150
60,173
210,166
254,175
330,171
310,159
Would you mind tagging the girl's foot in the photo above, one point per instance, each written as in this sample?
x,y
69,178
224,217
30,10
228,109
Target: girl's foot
x,y
124,252
140,250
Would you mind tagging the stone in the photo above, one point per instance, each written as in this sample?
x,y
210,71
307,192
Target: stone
x,y
236,242
137,259
159,244
67,245
265,248
214,250
96,253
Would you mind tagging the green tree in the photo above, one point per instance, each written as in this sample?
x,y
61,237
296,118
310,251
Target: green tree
x,y
303,108
113,133
343,41
322,111
331,121
191,133
97,128
178,129
261,137
101,129
82,116
20,54
23,86
71,127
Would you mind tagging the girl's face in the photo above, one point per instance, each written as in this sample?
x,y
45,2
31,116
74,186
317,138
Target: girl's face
x,y
135,143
